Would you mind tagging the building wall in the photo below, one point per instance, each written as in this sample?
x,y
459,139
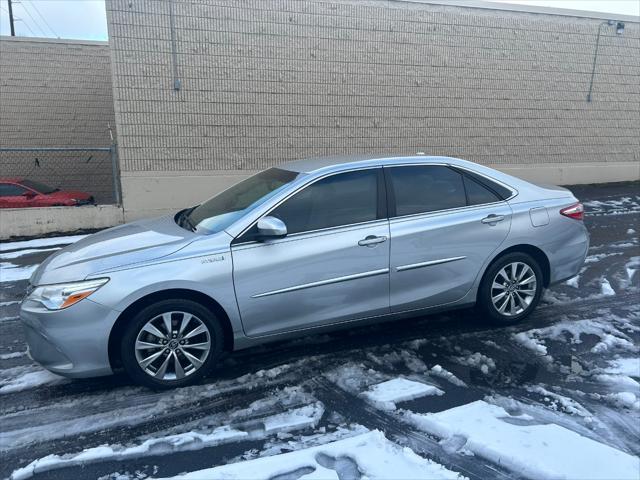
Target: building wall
x,y
57,93
266,81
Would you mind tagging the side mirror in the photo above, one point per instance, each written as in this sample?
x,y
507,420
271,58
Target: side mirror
x,y
271,227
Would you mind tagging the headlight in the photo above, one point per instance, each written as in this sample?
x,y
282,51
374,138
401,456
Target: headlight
x,y
63,295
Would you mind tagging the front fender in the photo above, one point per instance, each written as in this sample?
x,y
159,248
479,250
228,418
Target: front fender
x,y
210,275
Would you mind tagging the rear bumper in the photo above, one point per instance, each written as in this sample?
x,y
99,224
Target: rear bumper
x,y
567,257
71,342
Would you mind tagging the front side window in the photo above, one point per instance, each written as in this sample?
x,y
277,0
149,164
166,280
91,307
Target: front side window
x,y
219,212
341,199
11,190
420,189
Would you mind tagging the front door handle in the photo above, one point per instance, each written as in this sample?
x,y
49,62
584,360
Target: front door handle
x,y
493,219
371,240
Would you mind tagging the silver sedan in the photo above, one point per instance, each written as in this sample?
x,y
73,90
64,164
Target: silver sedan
x,y
305,247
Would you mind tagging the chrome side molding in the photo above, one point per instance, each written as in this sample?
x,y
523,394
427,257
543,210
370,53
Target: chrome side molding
x,y
411,266
329,281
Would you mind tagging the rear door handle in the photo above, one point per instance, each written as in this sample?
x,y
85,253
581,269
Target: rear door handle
x,y
371,240
493,219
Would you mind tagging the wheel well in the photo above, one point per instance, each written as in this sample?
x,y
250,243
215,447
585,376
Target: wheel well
x,y
535,252
135,307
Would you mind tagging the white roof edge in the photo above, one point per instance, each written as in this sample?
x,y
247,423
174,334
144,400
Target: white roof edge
x,y
54,40
512,7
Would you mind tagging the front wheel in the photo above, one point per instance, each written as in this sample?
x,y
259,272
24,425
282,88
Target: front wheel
x,y
511,288
172,343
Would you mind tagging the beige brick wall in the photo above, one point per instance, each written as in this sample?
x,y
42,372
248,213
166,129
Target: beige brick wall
x,y
266,81
57,93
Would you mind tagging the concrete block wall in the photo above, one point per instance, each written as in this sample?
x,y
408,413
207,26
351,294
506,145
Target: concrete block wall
x,y
57,93
266,81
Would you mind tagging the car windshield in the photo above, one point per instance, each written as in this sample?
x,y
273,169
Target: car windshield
x,y
39,187
219,212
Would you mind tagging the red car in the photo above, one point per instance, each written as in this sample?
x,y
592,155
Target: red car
x,y
20,193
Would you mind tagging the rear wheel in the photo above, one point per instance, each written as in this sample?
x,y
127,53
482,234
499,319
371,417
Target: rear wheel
x,y
172,343
511,288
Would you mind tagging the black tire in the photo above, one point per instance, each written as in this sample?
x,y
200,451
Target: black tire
x,y
135,325
485,304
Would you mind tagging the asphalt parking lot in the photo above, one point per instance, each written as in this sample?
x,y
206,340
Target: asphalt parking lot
x,y
572,368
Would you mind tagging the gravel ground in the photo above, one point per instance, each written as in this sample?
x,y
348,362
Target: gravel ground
x,y
555,396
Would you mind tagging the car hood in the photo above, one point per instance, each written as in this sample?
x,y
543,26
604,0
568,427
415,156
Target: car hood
x,y
127,244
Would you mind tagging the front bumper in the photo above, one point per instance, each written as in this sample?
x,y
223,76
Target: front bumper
x,y
73,342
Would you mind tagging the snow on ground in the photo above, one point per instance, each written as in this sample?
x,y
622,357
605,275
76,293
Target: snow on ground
x,y
9,356
606,288
386,394
520,444
438,371
163,445
560,402
21,378
608,330
573,281
30,251
477,360
625,366
12,272
15,273
368,455
40,242
294,419
618,206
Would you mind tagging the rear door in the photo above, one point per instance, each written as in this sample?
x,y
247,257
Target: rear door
x,y
333,265
443,227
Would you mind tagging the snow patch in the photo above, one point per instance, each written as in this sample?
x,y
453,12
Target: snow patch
x,y
25,377
296,419
40,242
14,273
29,251
573,281
477,360
386,394
605,287
170,444
438,371
514,440
370,454
8,356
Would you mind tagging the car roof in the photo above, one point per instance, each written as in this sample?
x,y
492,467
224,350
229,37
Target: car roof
x,y
342,162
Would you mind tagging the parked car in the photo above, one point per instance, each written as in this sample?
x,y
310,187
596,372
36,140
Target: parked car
x,y
305,247
21,192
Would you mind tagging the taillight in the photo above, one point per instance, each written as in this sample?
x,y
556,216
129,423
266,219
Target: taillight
x,y
575,211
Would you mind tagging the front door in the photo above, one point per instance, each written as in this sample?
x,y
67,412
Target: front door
x,y
444,226
333,265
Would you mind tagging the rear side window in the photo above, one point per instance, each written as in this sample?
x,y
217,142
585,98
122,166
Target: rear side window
x,y
502,192
419,189
341,199
478,194
10,190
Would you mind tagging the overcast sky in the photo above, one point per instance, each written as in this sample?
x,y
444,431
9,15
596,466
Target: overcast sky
x,y
85,19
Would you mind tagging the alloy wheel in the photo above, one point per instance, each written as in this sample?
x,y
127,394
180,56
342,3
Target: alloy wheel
x,y
513,289
172,345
